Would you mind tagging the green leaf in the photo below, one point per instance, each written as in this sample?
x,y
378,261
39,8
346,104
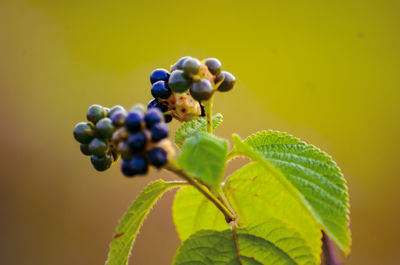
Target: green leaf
x,y
268,243
193,127
311,172
204,156
192,212
128,227
256,195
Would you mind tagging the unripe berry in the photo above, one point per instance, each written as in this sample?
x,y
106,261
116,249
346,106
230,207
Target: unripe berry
x,y
118,118
160,90
116,109
159,74
159,132
213,65
157,156
152,117
105,128
178,82
137,142
85,149
191,66
84,132
181,61
98,147
228,83
202,90
101,163
95,113
133,121
124,150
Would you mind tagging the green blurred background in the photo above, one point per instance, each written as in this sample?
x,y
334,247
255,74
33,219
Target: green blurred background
x,y
325,71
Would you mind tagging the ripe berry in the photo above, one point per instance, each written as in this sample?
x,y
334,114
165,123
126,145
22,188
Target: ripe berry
x,y
158,75
158,157
98,147
160,90
133,121
105,128
178,82
167,118
126,168
213,65
116,109
101,163
152,117
191,66
228,83
157,104
135,166
95,113
137,142
118,118
85,149
159,132
202,90
84,132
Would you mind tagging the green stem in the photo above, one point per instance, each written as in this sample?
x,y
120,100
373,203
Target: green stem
x,y
209,108
173,167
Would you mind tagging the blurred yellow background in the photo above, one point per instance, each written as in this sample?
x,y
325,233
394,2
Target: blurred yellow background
x,y
325,71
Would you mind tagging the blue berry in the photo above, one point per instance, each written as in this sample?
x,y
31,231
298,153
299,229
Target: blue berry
x,y
213,65
168,118
105,128
160,90
115,109
159,74
137,142
126,168
152,117
159,132
157,104
135,166
133,121
101,163
98,147
179,82
118,118
158,157
95,113
84,132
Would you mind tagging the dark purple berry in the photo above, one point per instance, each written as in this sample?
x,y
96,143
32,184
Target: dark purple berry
x,y
137,142
158,157
152,117
101,163
159,132
157,104
95,113
136,166
160,90
179,82
213,65
191,66
84,132
158,75
202,90
228,83
133,121
105,128
126,168
168,118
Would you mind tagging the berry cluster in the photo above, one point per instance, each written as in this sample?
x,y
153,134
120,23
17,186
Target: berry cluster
x,y
142,141
179,94
95,134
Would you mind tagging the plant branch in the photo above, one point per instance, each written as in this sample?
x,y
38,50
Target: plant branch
x,y
173,167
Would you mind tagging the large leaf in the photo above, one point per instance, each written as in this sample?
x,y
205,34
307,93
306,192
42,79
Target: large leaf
x,y
204,156
312,172
268,243
193,127
256,195
128,227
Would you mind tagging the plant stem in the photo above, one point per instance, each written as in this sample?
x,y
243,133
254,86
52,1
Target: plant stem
x,y
235,239
328,251
209,109
173,167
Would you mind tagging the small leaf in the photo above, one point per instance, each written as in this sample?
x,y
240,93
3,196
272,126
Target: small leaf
x,y
269,243
193,127
204,155
192,212
312,172
128,227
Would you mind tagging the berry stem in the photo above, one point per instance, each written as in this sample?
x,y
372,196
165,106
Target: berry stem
x,y
208,108
174,167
